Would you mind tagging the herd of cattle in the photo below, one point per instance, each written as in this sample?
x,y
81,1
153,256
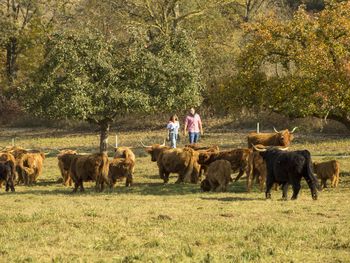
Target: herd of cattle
x,y
265,160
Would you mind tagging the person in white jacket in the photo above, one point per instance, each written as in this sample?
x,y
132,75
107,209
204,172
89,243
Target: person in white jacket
x,y
173,127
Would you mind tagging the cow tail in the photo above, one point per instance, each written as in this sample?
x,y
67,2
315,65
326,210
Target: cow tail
x,y
190,167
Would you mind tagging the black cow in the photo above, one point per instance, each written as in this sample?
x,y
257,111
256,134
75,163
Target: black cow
x,y
7,175
287,168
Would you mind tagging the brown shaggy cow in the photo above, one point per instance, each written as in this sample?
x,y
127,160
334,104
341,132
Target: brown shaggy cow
x,y
90,167
279,138
29,167
65,158
181,161
240,159
120,168
201,150
327,170
8,157
218,176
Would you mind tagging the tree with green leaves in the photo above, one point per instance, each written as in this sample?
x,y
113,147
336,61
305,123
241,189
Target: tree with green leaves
x,y
298,67
84,77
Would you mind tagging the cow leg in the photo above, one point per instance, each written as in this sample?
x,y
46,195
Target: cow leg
x,y
296,189
241,172
334,180
166,177
261,182
180,179
128,180
312,185
81,186
7,186
11,184
269,184
337,180
325,183
76,185
285,191
162,175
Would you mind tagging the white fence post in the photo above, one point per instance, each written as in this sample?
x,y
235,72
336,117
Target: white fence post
x,y
258,127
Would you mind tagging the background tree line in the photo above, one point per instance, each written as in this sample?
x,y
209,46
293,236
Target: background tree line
x,y
96,59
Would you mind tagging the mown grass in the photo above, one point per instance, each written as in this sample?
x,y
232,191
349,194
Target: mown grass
x,y
152,222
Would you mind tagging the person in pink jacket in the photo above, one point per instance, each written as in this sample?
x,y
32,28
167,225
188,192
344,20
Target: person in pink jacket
x,y
193,124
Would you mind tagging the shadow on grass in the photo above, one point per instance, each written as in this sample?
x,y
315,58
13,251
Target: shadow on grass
x,y
156,189
231,199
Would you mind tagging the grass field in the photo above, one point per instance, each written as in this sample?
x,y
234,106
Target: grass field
x,y
152,222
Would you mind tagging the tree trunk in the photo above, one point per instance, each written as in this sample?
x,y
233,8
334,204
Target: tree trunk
x,y
11,59
104,132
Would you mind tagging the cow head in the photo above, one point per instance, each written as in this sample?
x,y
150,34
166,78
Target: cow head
x,y
204,157
285,136
205,185
154,150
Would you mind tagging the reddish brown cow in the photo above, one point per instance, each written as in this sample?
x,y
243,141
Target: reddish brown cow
x,y
92,167
184,162
240,159
327,170
201,150
217,177
279,138
65,158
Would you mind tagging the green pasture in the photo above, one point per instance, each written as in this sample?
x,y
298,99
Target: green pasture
x,y
152,222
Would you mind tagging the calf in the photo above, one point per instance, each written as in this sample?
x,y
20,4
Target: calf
x,y
240,160
120,168
218,176
327,170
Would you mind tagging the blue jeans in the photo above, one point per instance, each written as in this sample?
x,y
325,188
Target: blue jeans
x,y
172,138
193,137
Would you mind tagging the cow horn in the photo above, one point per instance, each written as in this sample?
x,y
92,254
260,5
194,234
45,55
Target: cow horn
x,y
275,130
294,129
283,149
259,149
143,145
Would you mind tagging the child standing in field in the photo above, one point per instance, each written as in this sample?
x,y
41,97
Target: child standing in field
x,y
173,130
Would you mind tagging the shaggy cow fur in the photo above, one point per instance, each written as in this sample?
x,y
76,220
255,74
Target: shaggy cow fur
x,y
90,167
218,176
327,170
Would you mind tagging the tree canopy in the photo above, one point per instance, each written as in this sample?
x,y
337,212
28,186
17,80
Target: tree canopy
x,y
90,60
